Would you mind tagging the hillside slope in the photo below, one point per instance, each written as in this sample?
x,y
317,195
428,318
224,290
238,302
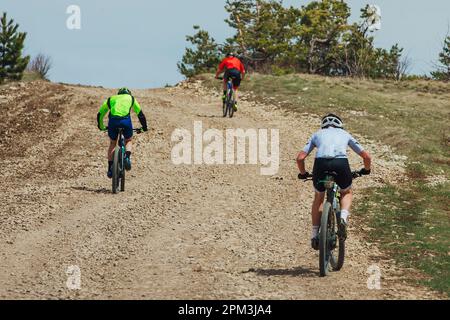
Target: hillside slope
x,y
201,232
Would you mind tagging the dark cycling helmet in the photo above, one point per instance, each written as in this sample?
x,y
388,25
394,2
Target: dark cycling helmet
x,y
231,54
124,91
332,120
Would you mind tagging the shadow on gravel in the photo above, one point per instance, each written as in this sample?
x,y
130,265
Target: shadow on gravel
x,y
91,190
293,272
208,116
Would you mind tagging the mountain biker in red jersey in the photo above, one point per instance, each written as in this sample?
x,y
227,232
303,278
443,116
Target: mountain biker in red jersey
x,y
331,143
235,70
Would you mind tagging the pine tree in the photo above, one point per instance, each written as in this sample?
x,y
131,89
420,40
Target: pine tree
x,y
12,64
316,38
203,57
443,72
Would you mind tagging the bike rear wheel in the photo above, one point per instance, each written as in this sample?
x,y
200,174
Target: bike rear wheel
x,y
338,263
325,254
116,170
122,172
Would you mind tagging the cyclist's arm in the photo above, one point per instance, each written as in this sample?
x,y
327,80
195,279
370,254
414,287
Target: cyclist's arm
x,y
101,114
220,69
367,159
140,114
356,147
301,162
303,154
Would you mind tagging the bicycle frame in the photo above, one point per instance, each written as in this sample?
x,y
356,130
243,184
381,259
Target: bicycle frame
x,y
333,192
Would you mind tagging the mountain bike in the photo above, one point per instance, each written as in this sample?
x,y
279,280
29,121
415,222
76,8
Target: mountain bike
x,y
229,102
329,237
118,167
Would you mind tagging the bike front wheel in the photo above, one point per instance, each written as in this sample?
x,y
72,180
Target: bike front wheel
x,y
122,171
338,263
116,170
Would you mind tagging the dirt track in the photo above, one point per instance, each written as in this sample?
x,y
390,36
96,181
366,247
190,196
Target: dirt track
x,y
178,232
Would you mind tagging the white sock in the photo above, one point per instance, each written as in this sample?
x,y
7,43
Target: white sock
x,y
344,215
315,231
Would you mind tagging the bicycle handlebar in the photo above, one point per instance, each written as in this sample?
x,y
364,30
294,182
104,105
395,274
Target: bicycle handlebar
x,y
138,131
355,175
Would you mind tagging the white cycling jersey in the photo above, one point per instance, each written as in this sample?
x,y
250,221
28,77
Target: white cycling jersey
x,y
332,143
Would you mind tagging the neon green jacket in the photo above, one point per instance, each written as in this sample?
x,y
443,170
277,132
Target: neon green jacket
x,y
119,106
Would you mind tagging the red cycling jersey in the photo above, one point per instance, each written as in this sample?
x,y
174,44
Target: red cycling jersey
x,y
232,63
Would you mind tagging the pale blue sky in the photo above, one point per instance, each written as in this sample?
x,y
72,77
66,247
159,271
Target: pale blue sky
x,y
137,43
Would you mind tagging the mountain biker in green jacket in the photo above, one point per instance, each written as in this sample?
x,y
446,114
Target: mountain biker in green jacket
x,y
119,108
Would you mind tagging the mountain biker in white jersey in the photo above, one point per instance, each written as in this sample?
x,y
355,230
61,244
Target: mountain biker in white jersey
x,y
331,143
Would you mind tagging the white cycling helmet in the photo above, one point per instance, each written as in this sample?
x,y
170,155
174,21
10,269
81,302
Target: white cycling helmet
x,y
332,120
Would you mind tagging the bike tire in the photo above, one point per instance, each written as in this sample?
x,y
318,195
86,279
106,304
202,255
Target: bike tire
x,y
231,110
115,168
324,248
225,109
122,173
337,265
230,103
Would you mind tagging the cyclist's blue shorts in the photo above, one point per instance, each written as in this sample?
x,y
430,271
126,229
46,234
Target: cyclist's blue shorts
x,y
116,123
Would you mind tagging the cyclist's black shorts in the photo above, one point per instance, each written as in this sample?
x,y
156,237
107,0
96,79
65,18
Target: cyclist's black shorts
x,y
341,166
234,74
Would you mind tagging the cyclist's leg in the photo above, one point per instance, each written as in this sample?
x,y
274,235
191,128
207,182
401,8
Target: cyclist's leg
x,y
316,211
226,76
128,135
236,75
236,79
344,180
112,134
319,197
129,145
111,147
346,203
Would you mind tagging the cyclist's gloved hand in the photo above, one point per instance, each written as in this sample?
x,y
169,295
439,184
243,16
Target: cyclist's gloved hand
x,y
304,176
364,172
